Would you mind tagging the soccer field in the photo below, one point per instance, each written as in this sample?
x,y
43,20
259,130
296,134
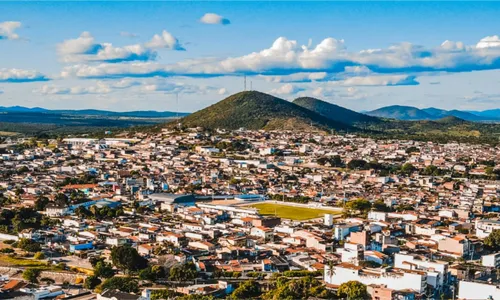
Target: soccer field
x,y
292,212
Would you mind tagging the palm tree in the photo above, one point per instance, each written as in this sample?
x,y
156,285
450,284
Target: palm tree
x,y
331,268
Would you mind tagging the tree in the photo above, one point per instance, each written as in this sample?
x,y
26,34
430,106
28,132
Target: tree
x,y
28,245
379,205
91,282
39,255
41,203
31,275
124,284
183,272
407,168
352,290
357,164
359,205
128,259
493,240
103,270
152,273
247,290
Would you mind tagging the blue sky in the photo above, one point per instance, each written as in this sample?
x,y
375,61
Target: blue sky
x,y
138,55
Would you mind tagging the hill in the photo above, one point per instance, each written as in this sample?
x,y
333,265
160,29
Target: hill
x,y
334,112
401,113
255,110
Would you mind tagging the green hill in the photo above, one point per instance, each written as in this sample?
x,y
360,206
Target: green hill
x,y
401,113
334,112
256,110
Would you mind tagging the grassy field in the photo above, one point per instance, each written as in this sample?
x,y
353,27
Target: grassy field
x,y
9,261
291,212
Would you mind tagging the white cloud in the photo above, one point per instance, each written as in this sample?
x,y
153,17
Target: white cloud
x,y
85,49
7,30
285,58
489,42
211,18
222,91
298,77
180,88
286,89
19,75
99,88
383,80
164,41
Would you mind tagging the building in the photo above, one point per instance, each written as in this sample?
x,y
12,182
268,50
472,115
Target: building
x,y
396,279
476,290
485,227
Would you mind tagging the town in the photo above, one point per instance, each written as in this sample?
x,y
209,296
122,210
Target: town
x,y
196,214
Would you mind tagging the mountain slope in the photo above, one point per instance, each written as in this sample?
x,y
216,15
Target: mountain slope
x,y
334,112
256,110
401,113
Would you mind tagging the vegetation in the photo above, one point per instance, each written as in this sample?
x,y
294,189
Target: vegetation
x,y
291,212
128,259
492,241
183,272
352,290
255,110
302,288
31,275
247,290
334,112
124,284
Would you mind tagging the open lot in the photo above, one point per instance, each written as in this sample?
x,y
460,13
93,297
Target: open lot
x,y
291,212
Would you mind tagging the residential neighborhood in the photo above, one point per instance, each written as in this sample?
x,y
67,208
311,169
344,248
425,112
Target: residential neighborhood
x,y
196,214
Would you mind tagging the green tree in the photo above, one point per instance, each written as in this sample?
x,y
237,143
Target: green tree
x,y
91,282
103,270
41,203
152,273
247,290
493,240
128,259
407,168
28,245
352,290
31,275
124,284
183,272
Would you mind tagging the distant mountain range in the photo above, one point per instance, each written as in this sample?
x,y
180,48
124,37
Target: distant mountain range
x,y
94,112
411,113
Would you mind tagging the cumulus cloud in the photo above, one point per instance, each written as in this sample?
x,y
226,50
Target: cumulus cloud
x,y
287,89
166,41
19,75
222,91
86,49
7,30
331,57
211,18
384,80
298,77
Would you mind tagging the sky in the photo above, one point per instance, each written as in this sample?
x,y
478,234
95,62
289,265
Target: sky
x,y
125,56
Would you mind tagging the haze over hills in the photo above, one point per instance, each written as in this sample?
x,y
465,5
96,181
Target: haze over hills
x,y
333,111
400,113
256,110
94,112
410,113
